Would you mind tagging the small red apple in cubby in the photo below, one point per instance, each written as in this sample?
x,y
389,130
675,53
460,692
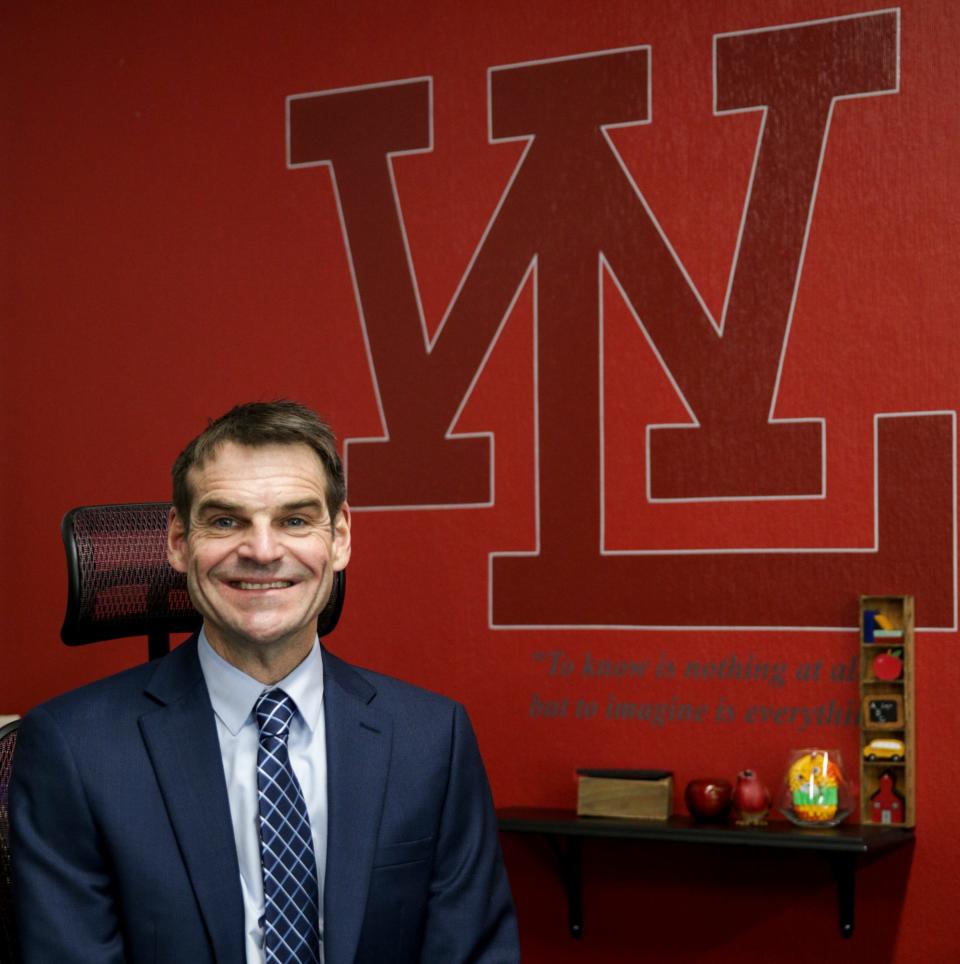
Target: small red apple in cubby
x,y
888,665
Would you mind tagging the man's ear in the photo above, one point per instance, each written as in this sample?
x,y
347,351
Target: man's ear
x,y
340,550
176,542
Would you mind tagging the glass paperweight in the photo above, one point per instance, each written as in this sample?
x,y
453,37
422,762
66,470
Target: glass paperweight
x,y
815,791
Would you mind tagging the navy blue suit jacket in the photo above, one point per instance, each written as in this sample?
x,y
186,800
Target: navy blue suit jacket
x,y
123,847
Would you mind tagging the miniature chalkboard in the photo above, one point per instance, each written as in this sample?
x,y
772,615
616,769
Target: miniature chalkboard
x,y
883,712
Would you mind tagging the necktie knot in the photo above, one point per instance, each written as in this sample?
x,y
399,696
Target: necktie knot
x,y
274,711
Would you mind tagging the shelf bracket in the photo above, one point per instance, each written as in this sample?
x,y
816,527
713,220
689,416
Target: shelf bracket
x,y
844,868
570,857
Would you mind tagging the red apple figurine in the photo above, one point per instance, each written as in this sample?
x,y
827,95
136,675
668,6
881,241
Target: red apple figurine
x,y
888,666
751,799
708,798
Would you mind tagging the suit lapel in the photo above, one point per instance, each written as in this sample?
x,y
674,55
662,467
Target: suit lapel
x,y
358,755
181,739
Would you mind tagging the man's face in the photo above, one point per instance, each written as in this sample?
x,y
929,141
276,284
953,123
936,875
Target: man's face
x,y
260,553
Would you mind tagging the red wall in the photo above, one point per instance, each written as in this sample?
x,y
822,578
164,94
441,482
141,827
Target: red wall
x,y
610,187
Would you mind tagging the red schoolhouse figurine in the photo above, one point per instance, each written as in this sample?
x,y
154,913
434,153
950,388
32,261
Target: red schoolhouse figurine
x,y
886,803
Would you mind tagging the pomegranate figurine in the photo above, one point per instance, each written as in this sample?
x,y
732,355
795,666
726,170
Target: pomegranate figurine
x,y
751,799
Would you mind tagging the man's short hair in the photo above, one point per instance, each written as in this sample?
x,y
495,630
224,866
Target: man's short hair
x,y
256,424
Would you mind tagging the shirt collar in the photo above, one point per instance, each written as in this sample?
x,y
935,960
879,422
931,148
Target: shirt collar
x,y
233,693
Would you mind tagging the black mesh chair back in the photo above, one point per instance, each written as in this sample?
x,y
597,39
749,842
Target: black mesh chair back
x,y
120,584
8,946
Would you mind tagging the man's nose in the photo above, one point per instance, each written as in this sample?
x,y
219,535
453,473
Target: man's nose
x,y
260,544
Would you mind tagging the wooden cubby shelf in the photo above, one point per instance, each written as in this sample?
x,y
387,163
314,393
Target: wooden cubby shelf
x,y
888,782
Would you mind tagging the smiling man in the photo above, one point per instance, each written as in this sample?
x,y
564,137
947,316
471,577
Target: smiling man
x,y
251,797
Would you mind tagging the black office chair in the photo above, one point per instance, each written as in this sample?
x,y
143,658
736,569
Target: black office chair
x,y
120,583
8,940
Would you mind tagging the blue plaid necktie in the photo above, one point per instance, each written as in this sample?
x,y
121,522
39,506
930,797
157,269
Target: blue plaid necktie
x,y
290,892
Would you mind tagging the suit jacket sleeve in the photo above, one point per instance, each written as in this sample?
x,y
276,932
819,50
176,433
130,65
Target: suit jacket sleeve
x,y
62,891
470,914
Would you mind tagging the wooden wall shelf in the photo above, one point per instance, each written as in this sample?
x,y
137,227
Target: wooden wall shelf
x,y
842,846
887,711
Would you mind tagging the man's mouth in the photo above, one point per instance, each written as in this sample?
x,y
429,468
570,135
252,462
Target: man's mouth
x,y
247,584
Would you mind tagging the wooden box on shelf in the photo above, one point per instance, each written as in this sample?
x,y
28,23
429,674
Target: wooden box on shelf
x,y
887,739
638,794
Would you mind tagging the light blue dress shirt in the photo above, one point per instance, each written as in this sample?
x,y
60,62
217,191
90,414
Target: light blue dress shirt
x,y
233,694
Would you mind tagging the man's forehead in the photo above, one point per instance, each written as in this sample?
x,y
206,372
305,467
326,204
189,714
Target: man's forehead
x,y
232,461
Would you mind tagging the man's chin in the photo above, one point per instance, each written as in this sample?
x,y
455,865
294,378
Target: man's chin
x,y
253,637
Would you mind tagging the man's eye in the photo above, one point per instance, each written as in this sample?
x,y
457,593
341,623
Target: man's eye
x,y
296,522
223,523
